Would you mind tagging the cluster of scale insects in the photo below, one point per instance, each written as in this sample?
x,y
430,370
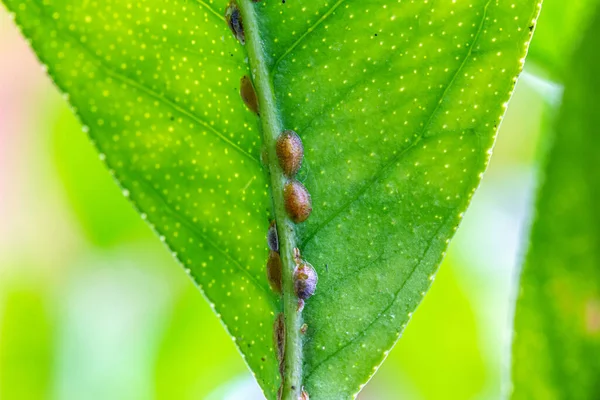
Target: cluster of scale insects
x,y
297,202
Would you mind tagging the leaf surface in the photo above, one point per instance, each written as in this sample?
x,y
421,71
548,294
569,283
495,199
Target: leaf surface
x,y
397,104
556,350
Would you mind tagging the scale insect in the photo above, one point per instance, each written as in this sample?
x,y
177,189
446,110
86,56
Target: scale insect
x,y
248,94
298,203
234,21
290,152
305,280
272,237
274,268
279,340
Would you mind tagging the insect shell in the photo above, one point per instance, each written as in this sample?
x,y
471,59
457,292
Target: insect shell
x,y
272,238
234,20
274,268
298,203
248,94
304,329
290,152
305,280
304,395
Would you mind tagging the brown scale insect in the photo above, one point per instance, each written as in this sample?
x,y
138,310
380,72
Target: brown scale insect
x,y
290,152
248,94
274,268
279,340
272,238
297,201
304,395
234,20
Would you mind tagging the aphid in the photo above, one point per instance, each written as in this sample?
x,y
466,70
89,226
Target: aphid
x,y
272,238
234,20
305,280
297,201
304,395
274,271
248,94
289,152
279,340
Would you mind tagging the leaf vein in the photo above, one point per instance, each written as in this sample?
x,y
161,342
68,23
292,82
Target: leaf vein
x,y
194,229
209,8
387,308
307,32
110,71
379,174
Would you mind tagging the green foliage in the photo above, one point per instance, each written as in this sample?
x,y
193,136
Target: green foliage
x,y
557,325
189,331
397,104
452,341
560,28
26,344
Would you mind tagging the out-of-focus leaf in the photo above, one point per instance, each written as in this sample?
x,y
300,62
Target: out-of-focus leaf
x,y
27,343
194,357
105,216
439,354
397,103
561,26
556,352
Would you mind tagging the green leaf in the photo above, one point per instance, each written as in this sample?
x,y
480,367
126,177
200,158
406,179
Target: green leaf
x,y
561,27
397,105
557,324
27,336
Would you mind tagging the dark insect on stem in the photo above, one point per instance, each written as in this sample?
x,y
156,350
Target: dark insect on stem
x,y
298,203
290,152
249,94
234,20
274,268
279,340
272,238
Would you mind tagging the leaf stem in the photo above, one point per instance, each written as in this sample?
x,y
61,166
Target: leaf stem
x,y
272,128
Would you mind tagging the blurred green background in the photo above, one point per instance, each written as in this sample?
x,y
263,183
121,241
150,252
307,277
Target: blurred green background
x,y
93,307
